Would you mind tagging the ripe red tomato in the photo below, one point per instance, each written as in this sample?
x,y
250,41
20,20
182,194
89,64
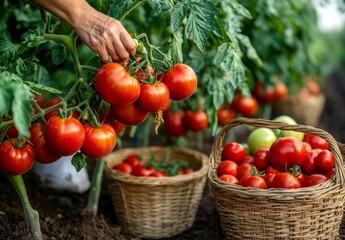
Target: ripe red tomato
x,y
248,106
227,167
130,114
248,159
12,131
245,169
224,115
285,180
263,94
157,174
142,171
286,152
196,121
181,81
123,167
329,174
325,161
314,179
153,97
234,151
301,177
133,160
229,179
271,169
309,167
280,91
269,179
253,181
261,158
16,160
118,127
174,123
185,171
42,153
115,85
167,106
315,141
53,102
142,74
64,136
99,141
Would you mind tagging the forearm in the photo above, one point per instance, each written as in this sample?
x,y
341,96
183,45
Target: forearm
x,y
71,11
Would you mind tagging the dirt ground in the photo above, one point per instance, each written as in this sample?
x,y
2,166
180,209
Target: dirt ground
x,y
61,214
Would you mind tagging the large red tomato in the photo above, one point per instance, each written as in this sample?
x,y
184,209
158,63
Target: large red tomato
x,y
196,121
174,123
130,114
286,152
234,151
116,85
153,97
16,160
99,141
64,136
248,106
181,81
42,153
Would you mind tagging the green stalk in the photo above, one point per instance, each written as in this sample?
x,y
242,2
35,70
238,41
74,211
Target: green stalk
x,y
95,189
31,215
131,8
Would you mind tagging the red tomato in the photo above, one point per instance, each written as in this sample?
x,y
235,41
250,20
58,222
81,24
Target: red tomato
x,y
309,167
174,123
196,121
234,151
244,169
157,174
53,102
130,114
153,97
64,136
16,160
42,153
115,85
123,167
142,74
280,91
12,131
286,152
99,141
133,160
271,169
248,159
301,177
248,106
224,115
181,81
329,174
325,161
227,167
229,179
314,179
261,158
315,141
167,106
269,179
185,171
263,94
142,171
118,127
253,181
285,180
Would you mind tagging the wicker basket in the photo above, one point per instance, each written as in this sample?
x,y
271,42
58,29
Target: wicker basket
x,y
149,207
306,213
304,110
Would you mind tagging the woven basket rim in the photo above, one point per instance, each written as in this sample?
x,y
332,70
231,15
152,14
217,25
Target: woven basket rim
x,y
304,193
153,181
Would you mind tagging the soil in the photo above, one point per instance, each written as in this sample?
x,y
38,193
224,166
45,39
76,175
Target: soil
x,y
61,213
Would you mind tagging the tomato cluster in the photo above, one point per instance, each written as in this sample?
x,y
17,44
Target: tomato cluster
x,y
133,98
137,165
287,163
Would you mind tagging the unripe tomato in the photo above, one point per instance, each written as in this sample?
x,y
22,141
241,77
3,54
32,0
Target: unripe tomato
x,y
181,81
196,121
16,160
153,97
99,141
130,114
64,136
115,85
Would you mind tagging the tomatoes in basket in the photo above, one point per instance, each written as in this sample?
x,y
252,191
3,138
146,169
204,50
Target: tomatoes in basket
x,y
123,167
286,152
181,81
245,169
324,161
229,179
227,167
285,180
234,151
64,136
115,85
42,153
130,114
196,121
314,179
315,141
153,97
99,141
16,160
261,158
253,181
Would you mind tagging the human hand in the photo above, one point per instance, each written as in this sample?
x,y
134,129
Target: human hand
x,y
105,35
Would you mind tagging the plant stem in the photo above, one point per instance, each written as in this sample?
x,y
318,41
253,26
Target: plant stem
x,y
31,215
131,8
95,189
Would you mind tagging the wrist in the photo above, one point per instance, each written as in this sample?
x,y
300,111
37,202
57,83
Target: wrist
x,y
79,16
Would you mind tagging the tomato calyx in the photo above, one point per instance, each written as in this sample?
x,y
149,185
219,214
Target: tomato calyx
x,y
294,170
254,172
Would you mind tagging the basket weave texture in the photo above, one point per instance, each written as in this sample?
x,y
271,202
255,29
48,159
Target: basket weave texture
x,y
307,213
149,207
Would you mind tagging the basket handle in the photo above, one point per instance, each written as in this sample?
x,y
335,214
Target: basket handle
x,y
339,177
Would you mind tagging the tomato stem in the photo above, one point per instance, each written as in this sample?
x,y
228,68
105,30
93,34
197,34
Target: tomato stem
x,y
131,8
31,215
95,189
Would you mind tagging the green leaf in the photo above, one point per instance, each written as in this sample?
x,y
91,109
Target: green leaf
x,y
175,51
200,22
79,161
58,53
117,8
21,109
178,14
102,5
41,87
160,5
240,9
5,98
33,37
251,52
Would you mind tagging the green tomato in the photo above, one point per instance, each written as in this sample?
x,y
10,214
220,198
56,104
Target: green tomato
x,y
260,138
289,120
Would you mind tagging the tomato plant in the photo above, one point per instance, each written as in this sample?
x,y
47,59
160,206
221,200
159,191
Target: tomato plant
x,y
248,106
153,97
196,120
